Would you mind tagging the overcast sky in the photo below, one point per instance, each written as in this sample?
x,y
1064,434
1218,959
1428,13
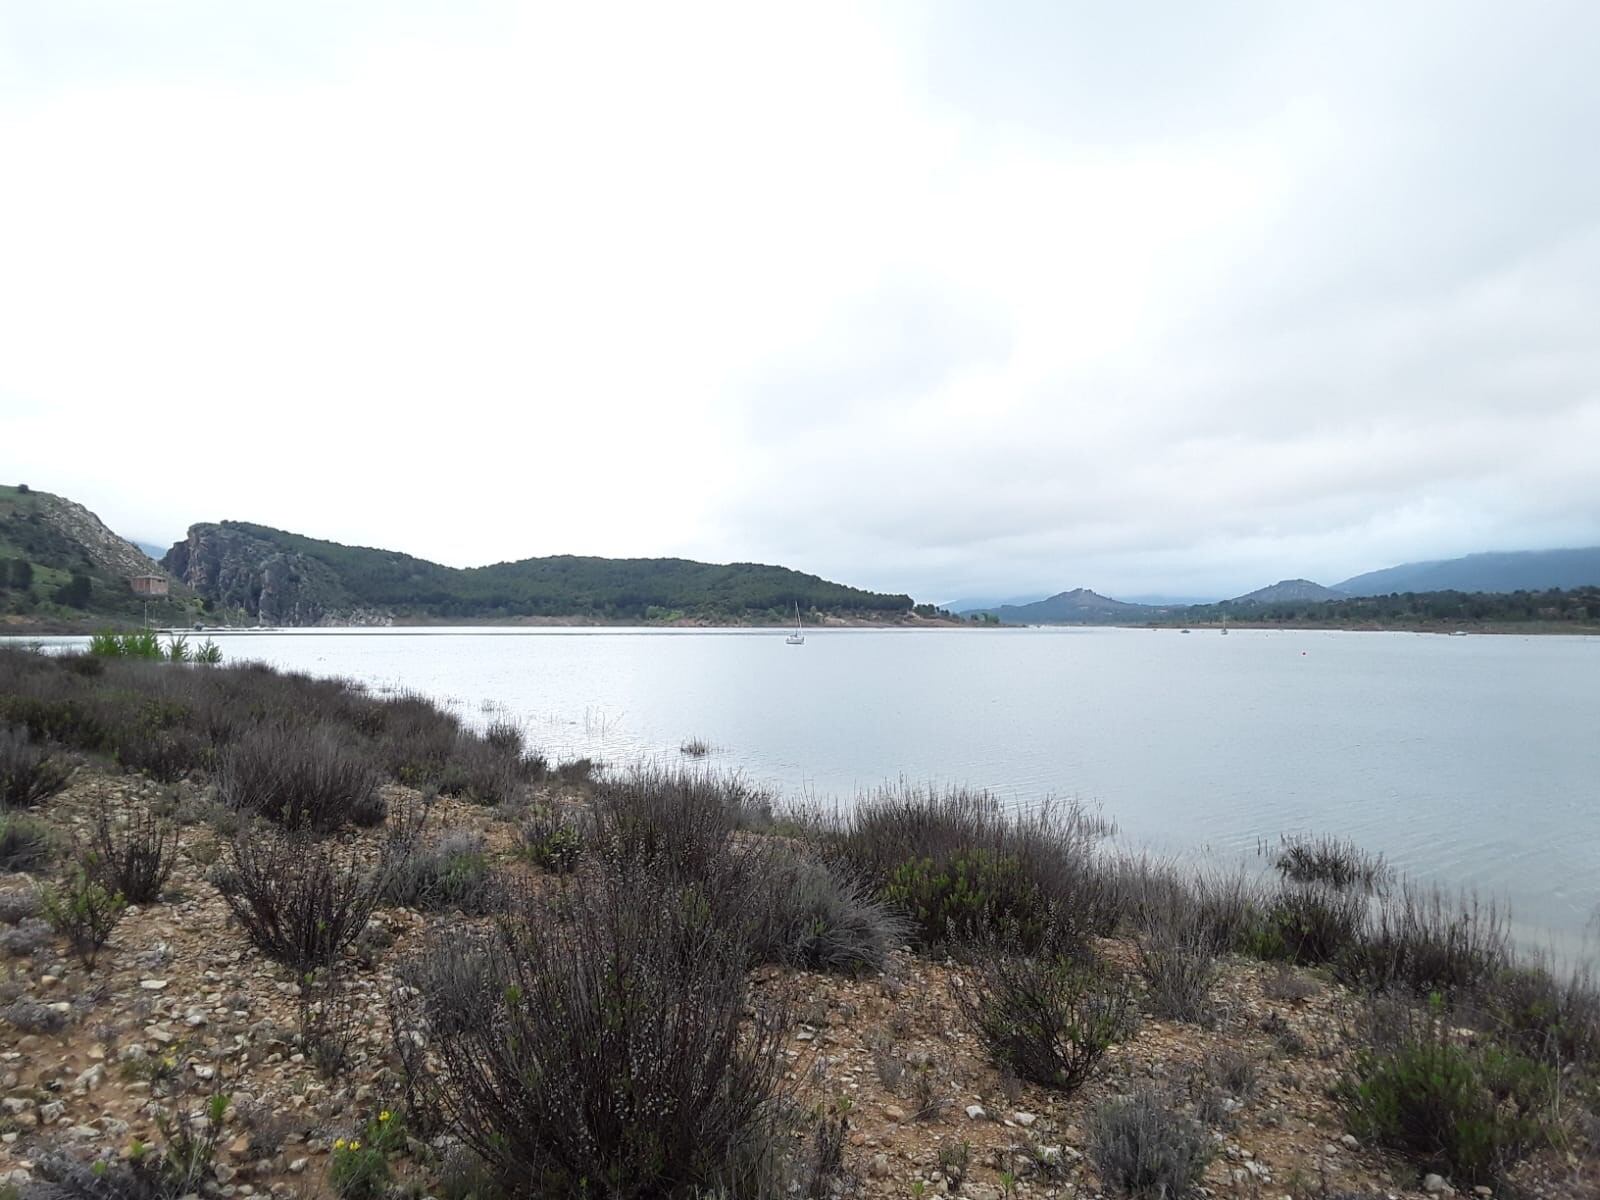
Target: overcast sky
x,y
958,299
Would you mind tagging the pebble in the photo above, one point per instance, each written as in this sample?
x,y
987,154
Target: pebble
x,y
1434,1184
975,1112
153,985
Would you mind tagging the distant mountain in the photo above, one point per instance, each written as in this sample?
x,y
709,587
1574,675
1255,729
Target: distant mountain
x,y
58,561
1160,601
1495,571
151,549
989,603
1080,606
1289,591
287,579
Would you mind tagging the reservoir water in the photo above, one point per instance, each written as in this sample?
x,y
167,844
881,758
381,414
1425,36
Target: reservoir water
x,y
1474,761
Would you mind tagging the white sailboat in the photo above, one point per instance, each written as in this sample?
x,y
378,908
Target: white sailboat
x,y
1224,624
796,638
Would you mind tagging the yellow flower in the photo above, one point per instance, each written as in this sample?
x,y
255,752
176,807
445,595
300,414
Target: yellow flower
x,y
385,1115
338,1143
355,1145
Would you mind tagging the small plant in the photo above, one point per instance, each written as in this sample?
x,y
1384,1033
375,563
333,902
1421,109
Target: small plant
x,y
1051,1020
360,1167
29,774
551,840
132,858
695,748
813,917
191,1147
1426,941
969,896
84,912
954,1159
207,653
1142,1148
1466,1111
328,1024
1310,924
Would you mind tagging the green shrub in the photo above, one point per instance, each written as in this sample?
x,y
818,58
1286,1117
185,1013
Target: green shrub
x,y
968,896
298,777
552,840
1425,941
451,872
1050,1020
360,1166
1309,924
810,916
83,912
1464,1111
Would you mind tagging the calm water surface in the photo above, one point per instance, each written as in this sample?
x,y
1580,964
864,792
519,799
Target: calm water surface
x,y
1472,760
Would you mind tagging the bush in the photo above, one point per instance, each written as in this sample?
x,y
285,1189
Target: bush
x,y
962,864
1049,1020
818,920
1339,864
1179,968
149,746
608,1053
552,840
681,819
1142,1148
28,937
85,913
25,844
301,900
451,872
1424,942
133,857
1551,1019
1464,1111
1309,924
298,777
29,774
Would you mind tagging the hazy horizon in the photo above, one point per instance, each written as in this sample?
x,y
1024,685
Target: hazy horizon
x,y
945,299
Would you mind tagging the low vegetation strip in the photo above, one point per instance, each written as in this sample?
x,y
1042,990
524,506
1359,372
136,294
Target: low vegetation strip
x,y
267,929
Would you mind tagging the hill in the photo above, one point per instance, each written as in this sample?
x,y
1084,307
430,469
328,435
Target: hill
x,y
1494,571
283,578
59,563
1295,591
1080,606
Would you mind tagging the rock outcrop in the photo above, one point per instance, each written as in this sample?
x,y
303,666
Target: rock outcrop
x,y
235,569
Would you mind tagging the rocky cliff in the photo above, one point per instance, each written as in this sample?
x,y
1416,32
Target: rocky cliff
x,y
236,569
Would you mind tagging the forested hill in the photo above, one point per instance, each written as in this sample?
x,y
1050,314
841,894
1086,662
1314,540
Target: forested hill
x,y
285,578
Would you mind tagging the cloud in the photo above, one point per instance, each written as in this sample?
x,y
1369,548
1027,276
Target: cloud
x,y
928,298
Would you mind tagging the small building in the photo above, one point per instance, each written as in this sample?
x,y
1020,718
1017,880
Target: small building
x,y
149,585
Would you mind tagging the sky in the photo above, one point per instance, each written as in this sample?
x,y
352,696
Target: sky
x,y
958,299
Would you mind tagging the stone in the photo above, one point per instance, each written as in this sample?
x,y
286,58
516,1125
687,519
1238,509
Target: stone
x,y
1348,1141
297,1165
878,1167
1434,1185
153,985
894,1113
1025,1119
975,1112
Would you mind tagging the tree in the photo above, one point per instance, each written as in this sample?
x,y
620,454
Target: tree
x,y
21,574
74,594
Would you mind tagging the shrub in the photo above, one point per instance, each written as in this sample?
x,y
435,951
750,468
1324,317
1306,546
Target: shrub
x,y
695,748
682,819
85,913
132,857
1465,1111
1423,941
25,844
27,937
17,906
1339,864
1142,1148
149,745
607,1053
301,900
452,872
1050,1020
818,920
1552,1019
360,1166
958,855
29,773
1179,968
297,777
552,841
328,1023
505,737
1309,924
29,1016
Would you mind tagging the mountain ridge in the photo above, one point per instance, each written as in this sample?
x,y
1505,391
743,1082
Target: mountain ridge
x,y
1486,571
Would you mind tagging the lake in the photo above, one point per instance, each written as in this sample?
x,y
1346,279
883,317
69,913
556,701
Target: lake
x,y
1470,760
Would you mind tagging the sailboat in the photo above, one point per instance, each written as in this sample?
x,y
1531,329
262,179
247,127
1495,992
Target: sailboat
x,y
796,638
1224,624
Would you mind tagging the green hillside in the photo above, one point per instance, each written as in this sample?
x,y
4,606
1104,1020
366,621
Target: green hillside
x,y
59,564
287,578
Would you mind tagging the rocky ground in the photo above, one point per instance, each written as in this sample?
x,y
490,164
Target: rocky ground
x,y
180,1007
